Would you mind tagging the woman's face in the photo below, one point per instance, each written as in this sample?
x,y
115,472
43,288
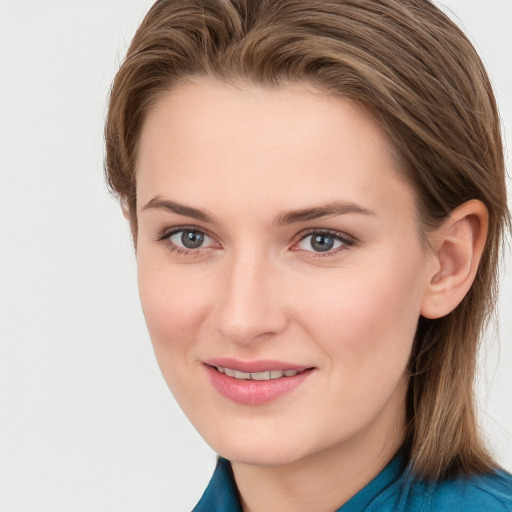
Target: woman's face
x,y
276,240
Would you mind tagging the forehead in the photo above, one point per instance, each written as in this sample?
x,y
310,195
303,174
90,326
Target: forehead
x,y
264,147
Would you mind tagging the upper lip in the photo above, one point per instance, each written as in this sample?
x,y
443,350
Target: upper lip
x,y
254,366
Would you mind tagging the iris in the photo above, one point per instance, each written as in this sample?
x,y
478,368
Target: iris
x,y
192,239
322,243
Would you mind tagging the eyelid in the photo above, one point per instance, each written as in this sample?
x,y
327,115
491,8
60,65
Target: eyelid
x,y
167,232
346,240
165,237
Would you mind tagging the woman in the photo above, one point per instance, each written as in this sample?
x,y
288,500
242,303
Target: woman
x,y
317,198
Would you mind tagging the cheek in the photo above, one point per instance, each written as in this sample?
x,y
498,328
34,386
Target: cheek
x,y
174,308
173,304
370,316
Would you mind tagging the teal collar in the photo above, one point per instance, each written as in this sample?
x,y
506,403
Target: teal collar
x,y
221,494
377,487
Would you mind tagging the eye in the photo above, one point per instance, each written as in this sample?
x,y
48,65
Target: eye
x,y
187,239
323,242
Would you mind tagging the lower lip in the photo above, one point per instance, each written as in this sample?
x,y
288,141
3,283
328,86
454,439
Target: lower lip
x,y
254,392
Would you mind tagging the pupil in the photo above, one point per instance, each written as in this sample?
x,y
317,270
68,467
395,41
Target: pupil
x,y
192,239
322,243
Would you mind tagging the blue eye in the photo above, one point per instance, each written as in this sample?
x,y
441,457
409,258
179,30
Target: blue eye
x,y
189,239
322,242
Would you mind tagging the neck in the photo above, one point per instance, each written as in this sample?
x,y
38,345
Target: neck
x,y
322,481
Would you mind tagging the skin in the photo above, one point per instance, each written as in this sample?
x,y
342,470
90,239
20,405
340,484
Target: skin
x,y
256,289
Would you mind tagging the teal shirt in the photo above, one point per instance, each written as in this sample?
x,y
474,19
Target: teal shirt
x,y
392,490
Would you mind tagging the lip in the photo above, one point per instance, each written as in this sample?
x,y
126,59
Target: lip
x,y
254,392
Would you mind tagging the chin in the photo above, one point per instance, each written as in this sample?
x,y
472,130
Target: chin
x,y
258,449
260,456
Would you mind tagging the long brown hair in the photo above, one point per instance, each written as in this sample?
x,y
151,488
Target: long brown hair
x,y
409,65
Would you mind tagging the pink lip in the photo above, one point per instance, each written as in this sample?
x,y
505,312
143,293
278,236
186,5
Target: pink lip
x,y
254,392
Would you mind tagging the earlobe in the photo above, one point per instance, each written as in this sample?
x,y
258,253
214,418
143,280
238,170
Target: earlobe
x,y
126,213
457,247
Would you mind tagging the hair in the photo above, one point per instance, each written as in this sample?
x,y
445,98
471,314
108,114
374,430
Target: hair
x,y
417,73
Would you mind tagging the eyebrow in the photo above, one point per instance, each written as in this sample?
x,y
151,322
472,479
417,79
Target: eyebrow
x,y
181,209
327,210
291,217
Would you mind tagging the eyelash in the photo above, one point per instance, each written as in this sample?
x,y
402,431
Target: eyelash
x,y
165,238
345,241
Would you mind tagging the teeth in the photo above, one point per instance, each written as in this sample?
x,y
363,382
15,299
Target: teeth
x,y
229,372
242,375
260,376
268,375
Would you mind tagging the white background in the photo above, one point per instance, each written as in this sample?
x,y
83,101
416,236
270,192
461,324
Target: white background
x,y
86,421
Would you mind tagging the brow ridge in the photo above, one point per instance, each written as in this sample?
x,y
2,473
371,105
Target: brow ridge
x,y
180,209
291,217
327,210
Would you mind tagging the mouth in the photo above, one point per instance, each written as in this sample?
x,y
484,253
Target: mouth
x,y
260,376
255,383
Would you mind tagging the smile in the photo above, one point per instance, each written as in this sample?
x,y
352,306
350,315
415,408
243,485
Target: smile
x,y
258,384
266,375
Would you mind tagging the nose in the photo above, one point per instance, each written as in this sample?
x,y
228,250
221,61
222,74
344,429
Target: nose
x,y
251,305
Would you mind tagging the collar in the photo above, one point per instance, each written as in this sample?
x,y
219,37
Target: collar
x,y
221,495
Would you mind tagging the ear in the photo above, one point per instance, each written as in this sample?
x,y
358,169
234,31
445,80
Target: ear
x,y
123,203
457,247
126,213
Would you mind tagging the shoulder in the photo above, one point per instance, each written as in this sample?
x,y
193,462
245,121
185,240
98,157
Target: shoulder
x,y
489,492
480,493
